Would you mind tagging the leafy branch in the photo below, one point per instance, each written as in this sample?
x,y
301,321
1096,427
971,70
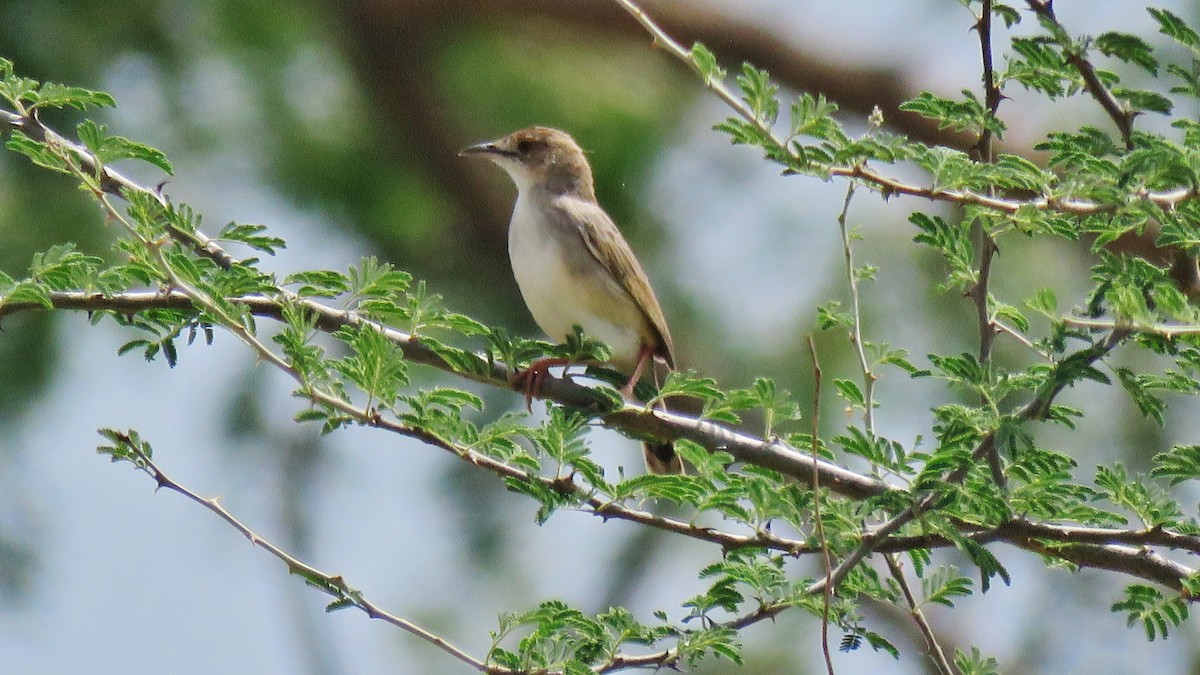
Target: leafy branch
x,y
755,126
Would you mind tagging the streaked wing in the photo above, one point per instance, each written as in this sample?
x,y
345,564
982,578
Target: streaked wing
x,y
610,249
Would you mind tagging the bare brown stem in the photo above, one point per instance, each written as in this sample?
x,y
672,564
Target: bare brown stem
x,y
914,609
816,489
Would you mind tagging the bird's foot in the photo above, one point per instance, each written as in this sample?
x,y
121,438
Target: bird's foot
x,y
645,355
531,379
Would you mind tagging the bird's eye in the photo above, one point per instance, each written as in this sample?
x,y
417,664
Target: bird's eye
x,y
524,147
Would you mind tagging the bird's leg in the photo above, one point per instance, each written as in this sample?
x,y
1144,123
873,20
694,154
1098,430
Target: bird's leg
x,y
533,376
644,357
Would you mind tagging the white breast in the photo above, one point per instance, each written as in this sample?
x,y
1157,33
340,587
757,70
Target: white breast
x,y
557,297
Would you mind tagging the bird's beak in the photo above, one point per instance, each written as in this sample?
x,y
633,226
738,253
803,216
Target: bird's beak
x,y
485,148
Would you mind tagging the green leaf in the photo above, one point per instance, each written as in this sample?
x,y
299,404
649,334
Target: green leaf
x,y
1149,101
776,404
759,93
52,95
706,63
1173,27
26,292
964,368
37,152
1151,506
813,116
372,279
1008,14
988,564
251,235
319,283
944,585
1012,314
1044,302
126,446
689,383
1180,463
1039,67
108,149
966,114
1128,48
830,316
952,241
1156,612
1148,404
850,391
975,663
580,348
376,366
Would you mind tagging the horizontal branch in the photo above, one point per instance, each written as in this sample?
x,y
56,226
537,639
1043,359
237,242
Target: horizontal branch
x,y
1161,329
1136,562
1019,532
630,418
1167,200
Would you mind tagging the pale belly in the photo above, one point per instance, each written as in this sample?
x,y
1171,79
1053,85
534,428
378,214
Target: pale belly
x,y
559,297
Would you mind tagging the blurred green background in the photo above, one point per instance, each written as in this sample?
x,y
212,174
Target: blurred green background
x,y
337,124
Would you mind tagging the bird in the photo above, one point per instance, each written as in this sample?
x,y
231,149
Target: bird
x,y
573,266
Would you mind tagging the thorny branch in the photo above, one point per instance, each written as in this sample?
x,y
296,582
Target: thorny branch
x,y
980,293
868,377
1122,117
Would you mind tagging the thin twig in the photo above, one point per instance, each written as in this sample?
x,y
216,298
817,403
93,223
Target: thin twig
x,y
1020,337
868,377
827,597
333,585
931,642
1160,329
991,92
980,294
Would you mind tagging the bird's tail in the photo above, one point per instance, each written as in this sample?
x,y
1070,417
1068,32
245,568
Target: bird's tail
x,y
661,459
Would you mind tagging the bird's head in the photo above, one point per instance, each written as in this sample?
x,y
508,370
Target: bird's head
x,y
540,157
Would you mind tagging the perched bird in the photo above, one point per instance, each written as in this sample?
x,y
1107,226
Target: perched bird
x,y
574,267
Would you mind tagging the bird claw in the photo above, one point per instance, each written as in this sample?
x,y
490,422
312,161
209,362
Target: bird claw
x,y
533,377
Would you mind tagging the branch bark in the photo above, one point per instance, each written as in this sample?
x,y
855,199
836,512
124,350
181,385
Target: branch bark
x,y
1088,546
